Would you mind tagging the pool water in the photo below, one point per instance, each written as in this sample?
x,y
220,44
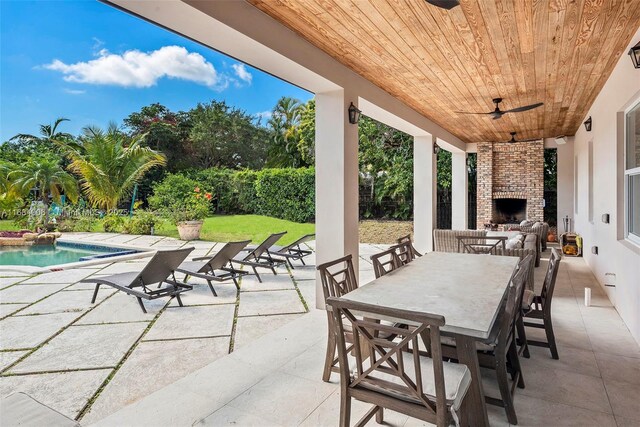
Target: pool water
x,y
45,255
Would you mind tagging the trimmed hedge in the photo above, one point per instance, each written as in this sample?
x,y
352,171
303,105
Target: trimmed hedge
x,y
285,193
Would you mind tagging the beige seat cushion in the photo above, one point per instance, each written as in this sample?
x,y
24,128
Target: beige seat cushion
x,y
480,346
19,409
457,379
527,299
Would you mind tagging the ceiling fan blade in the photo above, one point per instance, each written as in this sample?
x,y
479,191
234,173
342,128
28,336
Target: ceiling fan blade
x,y
525,108
444,4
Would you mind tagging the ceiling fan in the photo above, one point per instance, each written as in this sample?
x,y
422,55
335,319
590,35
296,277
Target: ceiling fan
x,y
497,113
444,4
513,139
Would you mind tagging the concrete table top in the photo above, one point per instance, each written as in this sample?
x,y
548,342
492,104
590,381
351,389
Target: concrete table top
x,y
467,289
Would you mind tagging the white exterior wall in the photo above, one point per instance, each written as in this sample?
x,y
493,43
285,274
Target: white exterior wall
x,y
615,254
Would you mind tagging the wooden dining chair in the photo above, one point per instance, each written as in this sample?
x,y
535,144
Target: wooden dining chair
x,y
483,245
499,351
538,307
338,278
386,261
407,240
389,374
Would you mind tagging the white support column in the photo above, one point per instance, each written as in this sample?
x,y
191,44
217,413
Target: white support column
x,y
424,192
336,182
565,180
459,191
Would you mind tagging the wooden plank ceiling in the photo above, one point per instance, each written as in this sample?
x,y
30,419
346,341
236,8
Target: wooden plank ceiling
x,y
559,52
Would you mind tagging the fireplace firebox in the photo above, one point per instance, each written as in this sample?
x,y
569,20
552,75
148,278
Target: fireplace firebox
x,y
509,211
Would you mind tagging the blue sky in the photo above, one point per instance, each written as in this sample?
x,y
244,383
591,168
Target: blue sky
x,y
93,64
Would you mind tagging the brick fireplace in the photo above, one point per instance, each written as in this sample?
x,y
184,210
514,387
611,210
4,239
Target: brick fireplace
x,y
510,182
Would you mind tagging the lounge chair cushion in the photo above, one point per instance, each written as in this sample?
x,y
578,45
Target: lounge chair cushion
x,y
480,346
19,409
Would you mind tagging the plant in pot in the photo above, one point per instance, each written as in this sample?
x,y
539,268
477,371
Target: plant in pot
x,y
189,213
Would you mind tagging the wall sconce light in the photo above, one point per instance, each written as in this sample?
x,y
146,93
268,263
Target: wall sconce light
x,y
634,53
436,148
354,114
587,124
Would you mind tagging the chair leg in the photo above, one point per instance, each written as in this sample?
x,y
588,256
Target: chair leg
x,y
515,364
290,263
302,261
257,275
213,291
235,282
329,358
505,393
179,300
95,294
273,268
144,310
345,409
380,415
551,338
186,277
522,336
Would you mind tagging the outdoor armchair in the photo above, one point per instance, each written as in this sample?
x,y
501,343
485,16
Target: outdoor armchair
x,y
217,267
160,271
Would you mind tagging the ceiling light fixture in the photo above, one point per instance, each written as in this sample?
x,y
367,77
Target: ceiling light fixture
x,y
587,124
634,53
354,114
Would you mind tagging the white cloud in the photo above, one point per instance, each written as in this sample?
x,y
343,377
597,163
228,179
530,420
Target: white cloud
x,y
241,72
265,115
139,69
75,91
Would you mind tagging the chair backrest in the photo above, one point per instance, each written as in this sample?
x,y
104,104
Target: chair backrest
x,y
338,277
550,280
162,265
514,300
386,261
297,243
225,254
264,246
407,240
386,369
445,240
486,245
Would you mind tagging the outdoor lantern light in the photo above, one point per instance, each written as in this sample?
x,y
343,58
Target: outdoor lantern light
x,y
436,149
634,53
587,124
354,114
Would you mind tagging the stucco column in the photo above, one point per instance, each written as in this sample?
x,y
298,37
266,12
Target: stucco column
x,y
565,182
424,192
336,182
459,190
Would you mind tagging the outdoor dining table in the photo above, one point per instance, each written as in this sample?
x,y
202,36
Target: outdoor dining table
x,y
467,289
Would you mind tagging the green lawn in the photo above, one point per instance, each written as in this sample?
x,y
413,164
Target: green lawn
x,y
228,228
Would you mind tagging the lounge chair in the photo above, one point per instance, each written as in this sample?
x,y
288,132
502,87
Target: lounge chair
x,y
260,256
159,270
293,251
216,267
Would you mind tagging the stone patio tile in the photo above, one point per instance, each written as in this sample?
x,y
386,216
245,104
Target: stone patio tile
x,y
626,422
269,302
83,347
230,416
8,281
270,282
583,391
8,357
309,364
7,309
30,331
8,273
250,328
122,308
28,293
201,294
308,290
193,322
149,369
66,392
123,267
619,368
576,338
366,276
65,276
624,398
571,359
283,399
67,301
620,343
304,273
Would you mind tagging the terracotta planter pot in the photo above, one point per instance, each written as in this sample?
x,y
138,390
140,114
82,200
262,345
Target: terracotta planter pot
x,y
189,230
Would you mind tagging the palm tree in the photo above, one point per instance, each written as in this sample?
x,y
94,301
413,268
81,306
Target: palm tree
x,y
49,136
45,175
109,164
284,123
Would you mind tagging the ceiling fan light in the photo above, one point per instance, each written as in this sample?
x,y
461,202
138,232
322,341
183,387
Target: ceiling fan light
x,y
444,4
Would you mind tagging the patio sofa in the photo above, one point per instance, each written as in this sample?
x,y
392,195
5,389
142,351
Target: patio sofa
x,y
539,228
446,241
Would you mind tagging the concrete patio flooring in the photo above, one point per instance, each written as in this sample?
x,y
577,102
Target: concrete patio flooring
x,y
89,360
112,364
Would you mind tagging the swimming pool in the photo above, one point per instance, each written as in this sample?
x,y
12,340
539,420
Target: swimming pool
x,y
60,253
